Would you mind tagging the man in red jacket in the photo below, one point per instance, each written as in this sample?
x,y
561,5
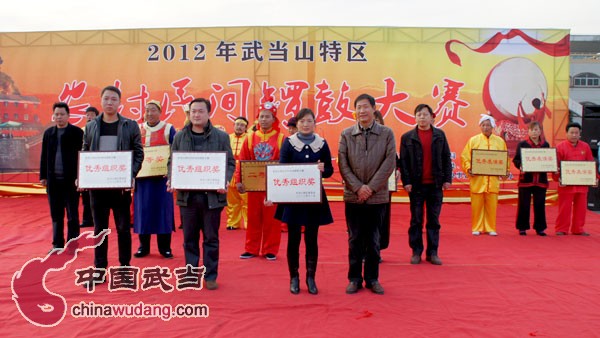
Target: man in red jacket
x,y
572,200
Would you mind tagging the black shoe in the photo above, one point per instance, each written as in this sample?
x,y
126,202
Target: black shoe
x,y
231,228
375,287
141,253
353,287
541,233
295,285
270,257
415,259
312,286
434,259
211,285
167,254
522,233
246,255
54,249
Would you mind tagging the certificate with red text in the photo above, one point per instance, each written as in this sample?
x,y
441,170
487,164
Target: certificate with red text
x,y
198,170
489,162
538,160
104,169
155,161
578,173
293,183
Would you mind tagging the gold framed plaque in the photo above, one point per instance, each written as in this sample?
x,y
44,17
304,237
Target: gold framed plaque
x,y
155,161
578,173
539,160
254,176
489,162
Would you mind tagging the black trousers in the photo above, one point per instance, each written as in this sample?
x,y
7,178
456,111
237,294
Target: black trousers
x,y
198,217
119,201
364,222
430,198
311,233
87,218
63,195
384,231
539,208
163,242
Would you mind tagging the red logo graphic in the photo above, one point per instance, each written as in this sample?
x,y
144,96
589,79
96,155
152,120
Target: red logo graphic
x,y
35,302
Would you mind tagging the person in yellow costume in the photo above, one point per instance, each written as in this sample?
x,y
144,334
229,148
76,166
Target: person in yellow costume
x,y
237,204
484,189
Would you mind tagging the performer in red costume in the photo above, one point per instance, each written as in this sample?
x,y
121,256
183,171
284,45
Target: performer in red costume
x,y
263,234
572,200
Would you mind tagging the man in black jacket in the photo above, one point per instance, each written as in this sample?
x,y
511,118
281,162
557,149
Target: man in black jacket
x,y
58,172
201,209
426,169
112,132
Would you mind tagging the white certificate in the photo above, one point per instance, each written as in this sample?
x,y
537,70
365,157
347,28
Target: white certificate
x,y
105,169
578,173
294,183
539,160
198,170
393,182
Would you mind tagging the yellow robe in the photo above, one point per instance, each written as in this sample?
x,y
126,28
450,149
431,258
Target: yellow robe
x,y
484,189
237,204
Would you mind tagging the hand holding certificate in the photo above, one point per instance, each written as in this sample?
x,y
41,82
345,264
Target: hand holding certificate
x,y
538,160
293,183
105,170
489,162
578,173
198,171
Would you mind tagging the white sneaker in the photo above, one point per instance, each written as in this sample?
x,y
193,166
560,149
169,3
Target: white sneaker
x,y
476,233
493,233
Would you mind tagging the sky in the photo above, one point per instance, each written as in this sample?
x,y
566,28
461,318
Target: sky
x,y
580,16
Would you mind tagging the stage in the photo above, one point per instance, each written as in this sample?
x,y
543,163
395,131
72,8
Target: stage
x,y
505,286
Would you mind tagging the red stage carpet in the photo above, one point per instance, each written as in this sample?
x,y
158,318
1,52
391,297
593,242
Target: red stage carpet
x,y
508,286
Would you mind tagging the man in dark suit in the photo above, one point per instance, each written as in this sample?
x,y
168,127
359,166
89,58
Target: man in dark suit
x,y
58,172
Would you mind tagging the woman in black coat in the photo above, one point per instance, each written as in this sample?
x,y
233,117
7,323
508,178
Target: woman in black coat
x,y
531,184
305,147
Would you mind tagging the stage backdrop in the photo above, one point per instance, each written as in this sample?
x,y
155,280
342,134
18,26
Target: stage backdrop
x,y
516,75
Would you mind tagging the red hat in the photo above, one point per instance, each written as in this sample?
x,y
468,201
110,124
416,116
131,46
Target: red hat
x,y
270,106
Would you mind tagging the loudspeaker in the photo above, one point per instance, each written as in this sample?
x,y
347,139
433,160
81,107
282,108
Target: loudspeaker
x,y
590,124
593,199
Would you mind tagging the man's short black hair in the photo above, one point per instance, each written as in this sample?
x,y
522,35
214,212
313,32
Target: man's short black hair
x,y
571,125
423,105
92,109
61,105
365,97
201,99
112,89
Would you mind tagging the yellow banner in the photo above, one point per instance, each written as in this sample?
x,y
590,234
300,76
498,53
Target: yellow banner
x,y
516,75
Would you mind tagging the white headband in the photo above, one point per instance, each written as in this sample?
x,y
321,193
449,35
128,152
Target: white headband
x,y
485,117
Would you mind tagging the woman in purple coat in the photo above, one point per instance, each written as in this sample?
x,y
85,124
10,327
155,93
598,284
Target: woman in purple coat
x,y
305,147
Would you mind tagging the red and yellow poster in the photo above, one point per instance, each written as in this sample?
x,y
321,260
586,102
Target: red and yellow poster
x,y
516,75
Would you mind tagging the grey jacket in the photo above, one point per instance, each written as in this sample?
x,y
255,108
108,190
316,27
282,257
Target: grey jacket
x,y
128,138
367,160
216,140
